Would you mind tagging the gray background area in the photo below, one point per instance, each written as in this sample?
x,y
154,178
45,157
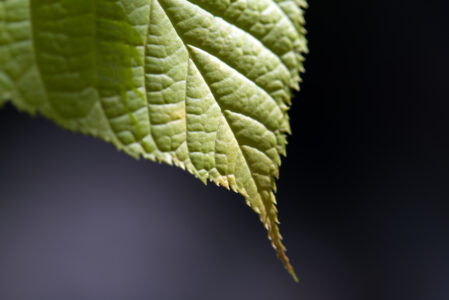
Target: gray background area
x,y
363,194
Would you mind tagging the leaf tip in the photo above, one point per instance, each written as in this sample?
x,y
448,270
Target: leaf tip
x,y
293,274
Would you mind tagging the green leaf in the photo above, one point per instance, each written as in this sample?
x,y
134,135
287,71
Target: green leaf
x,y
201,84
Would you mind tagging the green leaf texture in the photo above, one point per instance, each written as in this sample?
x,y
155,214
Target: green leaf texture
x,y
201,84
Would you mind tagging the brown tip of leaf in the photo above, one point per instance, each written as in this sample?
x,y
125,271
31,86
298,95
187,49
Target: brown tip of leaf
x,y
276,241
287,265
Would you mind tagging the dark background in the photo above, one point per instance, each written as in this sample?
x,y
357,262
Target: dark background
x,y
363,194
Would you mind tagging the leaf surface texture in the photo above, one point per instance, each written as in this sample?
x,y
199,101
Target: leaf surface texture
x,y
201,84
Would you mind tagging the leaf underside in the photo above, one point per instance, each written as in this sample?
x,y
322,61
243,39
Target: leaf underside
x,y
201,84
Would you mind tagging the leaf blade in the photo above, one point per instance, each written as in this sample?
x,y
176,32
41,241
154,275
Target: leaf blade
x,y
202,84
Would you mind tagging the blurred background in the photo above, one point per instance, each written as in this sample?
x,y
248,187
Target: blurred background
x,y
363,194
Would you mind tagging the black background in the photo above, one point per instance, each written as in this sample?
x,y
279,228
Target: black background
x,y
363,194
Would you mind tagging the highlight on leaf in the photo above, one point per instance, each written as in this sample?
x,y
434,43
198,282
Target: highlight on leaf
x,y
201,84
